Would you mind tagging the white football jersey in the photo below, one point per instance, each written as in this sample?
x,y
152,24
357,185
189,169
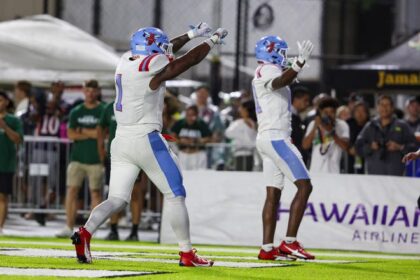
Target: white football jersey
x,y
136,105
273,107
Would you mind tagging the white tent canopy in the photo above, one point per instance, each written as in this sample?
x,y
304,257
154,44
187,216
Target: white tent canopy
x,y
42,49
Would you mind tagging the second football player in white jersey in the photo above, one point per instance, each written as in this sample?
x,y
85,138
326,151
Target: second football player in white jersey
x,y
280,157
138,144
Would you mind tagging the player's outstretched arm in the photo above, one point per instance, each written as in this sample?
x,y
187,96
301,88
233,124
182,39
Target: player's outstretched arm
x,y
191,58
200,30
411,156
288,76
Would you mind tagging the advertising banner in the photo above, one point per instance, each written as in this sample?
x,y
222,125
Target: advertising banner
x,y
351,212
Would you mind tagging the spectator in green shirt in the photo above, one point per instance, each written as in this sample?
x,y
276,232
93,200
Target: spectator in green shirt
x,y
84,157
11,134
192,134
108,125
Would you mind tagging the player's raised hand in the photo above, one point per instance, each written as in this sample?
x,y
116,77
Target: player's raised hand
x,y
305,49
219,35
200,30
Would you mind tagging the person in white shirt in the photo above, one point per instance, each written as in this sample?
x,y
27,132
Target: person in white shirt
x,y
243,133
280,157
328,136
138,145
22,92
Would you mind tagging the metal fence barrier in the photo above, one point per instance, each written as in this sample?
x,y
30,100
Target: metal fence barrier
x,y
40,181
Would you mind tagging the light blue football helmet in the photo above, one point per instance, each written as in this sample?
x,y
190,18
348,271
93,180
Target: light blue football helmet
x,y
272,49
149,40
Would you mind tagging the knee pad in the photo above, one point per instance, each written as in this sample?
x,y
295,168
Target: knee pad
x,y
116,203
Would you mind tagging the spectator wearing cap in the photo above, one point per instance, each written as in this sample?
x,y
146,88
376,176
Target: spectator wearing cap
x,y
300,103
84,158
328,136
11,134
360,116
343,113
384,140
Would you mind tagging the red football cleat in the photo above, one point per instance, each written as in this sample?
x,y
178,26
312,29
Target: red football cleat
x,y
296,250
192,259
81,241
274,255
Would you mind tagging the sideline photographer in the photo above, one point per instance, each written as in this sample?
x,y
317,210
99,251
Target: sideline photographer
x,y
328,137
384,140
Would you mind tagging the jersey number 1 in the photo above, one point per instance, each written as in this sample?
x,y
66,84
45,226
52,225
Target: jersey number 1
x,y
118,105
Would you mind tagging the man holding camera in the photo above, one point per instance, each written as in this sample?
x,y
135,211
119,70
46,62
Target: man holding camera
x,y
384,140
328,137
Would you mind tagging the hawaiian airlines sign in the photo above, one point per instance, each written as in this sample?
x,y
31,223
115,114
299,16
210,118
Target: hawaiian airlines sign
x,y
364,217
350,212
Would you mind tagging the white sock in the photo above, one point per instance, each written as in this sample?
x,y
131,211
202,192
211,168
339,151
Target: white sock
x,y
103,211
267,247
180,222
289,239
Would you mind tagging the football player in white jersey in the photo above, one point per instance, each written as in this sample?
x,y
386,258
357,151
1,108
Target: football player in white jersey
x,y
280,157
138,144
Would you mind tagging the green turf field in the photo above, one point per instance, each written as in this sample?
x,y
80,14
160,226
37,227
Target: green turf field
x,y
50,255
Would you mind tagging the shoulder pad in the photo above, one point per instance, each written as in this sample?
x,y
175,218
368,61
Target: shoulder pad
x,y
153,63
267,70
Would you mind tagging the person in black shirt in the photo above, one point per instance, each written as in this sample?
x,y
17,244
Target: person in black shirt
x,y
300,103
360,116
384,140
412,110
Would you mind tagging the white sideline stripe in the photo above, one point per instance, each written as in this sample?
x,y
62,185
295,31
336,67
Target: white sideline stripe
x,y
110,256
244,258
29,252
69,272
370,256
224,250
216,263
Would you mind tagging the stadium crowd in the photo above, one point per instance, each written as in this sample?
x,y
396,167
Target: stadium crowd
x,y
332,136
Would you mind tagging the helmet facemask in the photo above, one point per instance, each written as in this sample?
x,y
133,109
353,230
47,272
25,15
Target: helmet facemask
x,y
166,48
282,56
